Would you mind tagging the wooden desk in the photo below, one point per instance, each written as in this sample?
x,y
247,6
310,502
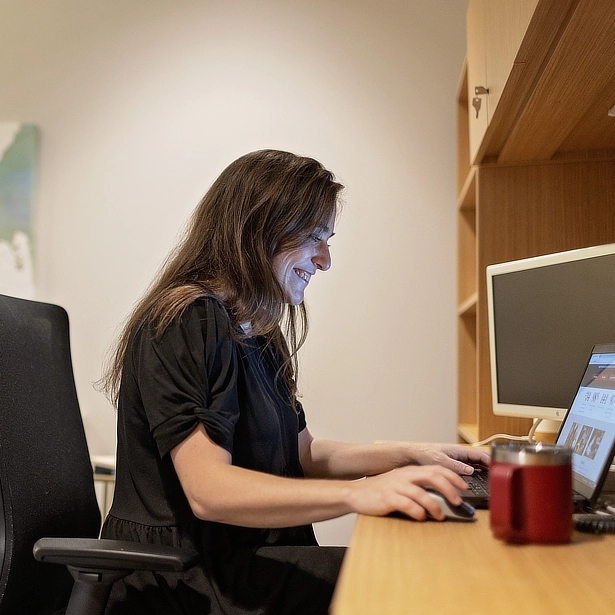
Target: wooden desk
x,y
395,566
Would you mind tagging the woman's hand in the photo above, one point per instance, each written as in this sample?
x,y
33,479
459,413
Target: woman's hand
x,y
458,458
403,490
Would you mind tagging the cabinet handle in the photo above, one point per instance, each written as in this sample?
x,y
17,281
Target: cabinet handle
x,y
477,101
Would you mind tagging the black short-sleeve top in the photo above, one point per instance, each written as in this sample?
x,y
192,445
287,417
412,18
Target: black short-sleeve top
x,y
195,373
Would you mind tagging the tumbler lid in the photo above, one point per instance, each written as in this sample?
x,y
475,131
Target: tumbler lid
x,y
531,454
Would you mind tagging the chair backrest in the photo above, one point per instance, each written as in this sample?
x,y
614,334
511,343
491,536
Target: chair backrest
x,y
46,482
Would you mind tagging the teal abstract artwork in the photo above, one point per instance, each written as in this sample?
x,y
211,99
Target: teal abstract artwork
x,y
18,173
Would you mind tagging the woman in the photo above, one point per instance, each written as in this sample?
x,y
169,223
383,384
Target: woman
x,y
213,446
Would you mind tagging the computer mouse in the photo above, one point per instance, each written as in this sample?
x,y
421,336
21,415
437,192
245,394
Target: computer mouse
x,y
461,512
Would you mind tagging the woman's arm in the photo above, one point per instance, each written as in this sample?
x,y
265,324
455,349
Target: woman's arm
x,y
219,491
330,459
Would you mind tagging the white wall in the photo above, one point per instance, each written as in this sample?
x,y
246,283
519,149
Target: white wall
x,y
141,103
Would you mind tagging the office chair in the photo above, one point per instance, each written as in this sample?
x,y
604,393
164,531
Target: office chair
x,y
50,556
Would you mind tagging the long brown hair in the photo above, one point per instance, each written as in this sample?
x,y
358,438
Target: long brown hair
x,y
264,203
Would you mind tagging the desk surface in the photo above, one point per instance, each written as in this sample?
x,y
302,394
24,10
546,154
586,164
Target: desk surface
x,y
396,566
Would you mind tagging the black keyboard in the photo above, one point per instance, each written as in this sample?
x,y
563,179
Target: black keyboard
x,y
478,483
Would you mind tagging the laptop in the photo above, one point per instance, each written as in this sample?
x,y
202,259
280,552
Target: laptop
x,y
588,428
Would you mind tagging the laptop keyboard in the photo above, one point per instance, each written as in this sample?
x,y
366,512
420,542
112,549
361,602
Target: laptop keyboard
x,y
478,483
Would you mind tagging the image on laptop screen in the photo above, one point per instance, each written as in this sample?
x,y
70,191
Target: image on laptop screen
x,y
589,426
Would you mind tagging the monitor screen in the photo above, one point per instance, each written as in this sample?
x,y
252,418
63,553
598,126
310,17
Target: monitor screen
x,y
545,315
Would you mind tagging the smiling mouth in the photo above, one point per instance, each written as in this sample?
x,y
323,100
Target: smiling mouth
x,y
304,275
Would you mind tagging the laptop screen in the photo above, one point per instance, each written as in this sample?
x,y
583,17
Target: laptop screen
x,y
589,425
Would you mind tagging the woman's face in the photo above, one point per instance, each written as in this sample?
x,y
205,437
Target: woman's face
x,y
295,267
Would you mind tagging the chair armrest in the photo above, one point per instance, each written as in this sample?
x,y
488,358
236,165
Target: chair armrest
x,y
104,554
95,564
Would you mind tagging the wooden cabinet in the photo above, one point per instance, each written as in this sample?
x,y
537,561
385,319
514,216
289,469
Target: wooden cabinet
x,y
495,29
541,177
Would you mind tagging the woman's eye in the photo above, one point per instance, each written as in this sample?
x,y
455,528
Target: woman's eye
x,y
318,239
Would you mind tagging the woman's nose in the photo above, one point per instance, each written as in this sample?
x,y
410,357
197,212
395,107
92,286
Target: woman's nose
x,y
322,258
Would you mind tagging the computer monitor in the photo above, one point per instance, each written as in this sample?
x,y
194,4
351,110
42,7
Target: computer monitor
x,y
545,315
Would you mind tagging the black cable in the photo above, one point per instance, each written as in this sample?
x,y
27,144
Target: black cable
x,y
594,523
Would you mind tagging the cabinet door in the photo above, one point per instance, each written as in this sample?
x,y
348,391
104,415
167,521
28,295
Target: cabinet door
x,y
495,29
477,74
506,23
